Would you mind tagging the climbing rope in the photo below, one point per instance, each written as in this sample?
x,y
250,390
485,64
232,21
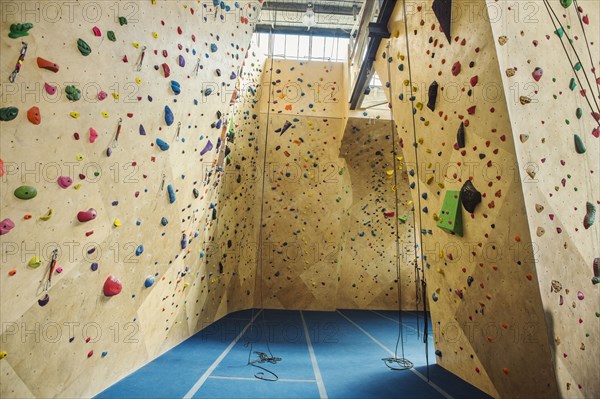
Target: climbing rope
x,y
587,43
263,358
419,251
396,363
554,18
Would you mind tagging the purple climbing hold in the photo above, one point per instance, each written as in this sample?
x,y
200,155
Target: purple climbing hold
x,y
64,181
209,146
181,61
142,130
44,301
94,266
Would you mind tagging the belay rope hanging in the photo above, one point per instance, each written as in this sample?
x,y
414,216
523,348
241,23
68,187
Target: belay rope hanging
x,y
263,358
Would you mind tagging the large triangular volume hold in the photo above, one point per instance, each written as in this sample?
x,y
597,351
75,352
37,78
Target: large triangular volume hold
x,y
443,12
450,218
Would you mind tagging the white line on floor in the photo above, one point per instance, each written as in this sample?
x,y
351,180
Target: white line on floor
x,y
396,321
216,363
218,377
313,359
418,374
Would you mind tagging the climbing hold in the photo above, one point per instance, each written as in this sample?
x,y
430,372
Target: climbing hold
x,y
6,225
35,262
213,48
50,89
469,196
8,113
595,267
460,136
94,266
25,192
45,64
122,21
162,145
590,215
96,31
44,301
86,216
139,250
19,30
579,146
184,241
169,118
166,70
64,181
208,91
47,216
450,219
171,192
102,95
537,74
566,3
164,221
175,87
90,354
456,68
142,130
34,115
117,222
3,354
83,47
112,286
93,135
207,148
433,93
181,61
438,353
73,93
108,152
111,36
149,281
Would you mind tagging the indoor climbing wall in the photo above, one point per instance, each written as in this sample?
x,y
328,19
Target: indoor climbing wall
x,y
368,271
460,155
113,136
553,104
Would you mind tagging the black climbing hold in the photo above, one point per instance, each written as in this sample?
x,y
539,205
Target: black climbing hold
x,y
469,196
433,92
460,136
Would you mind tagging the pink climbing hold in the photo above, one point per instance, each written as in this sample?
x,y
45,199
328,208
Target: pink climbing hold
x,y
102,95
96,31
50,89
596,116
86,216
6,225
580,296
64,181
537,74
112,286
93,135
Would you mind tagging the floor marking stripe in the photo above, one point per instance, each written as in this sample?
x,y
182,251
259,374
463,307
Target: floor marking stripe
x,y
216,363
418,374
313,359
397,321
218,377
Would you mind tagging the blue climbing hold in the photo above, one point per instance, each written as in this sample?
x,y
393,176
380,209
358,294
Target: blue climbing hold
x,y
171,191
184,241
149,281
164,221
169,118
176,87
139,250
207,91
213,48
162,145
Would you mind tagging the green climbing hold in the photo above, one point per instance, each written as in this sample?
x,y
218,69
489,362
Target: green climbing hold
x,y
559,32
25,192
111,36
579,113
572,84
83,47
578,66
19,30
122,21
35,262
579,146
73,93
566,3
8,113
450,219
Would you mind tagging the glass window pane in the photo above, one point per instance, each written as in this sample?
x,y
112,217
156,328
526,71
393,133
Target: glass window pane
x,y
318,46
342,53
329,45
303,46
263,43
279,45
291,46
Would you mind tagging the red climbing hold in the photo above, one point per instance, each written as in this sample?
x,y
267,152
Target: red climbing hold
x,y
456,68
112,286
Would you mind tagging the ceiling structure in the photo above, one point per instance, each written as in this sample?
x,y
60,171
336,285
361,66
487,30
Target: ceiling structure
x,y
332,17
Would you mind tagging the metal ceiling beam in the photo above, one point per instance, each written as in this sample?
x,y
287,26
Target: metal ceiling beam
x,y
281,6
301,30
377,31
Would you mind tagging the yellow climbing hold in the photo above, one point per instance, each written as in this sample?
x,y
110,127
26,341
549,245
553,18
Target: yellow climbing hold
x,y
390,172
155,35
74,115
47,216
420,140
35,262
105,114
117,223
406,82
436,217
441,254
3,354
429,179
136,44
440,271
115,96
77,186
79,157
419,106
138,81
